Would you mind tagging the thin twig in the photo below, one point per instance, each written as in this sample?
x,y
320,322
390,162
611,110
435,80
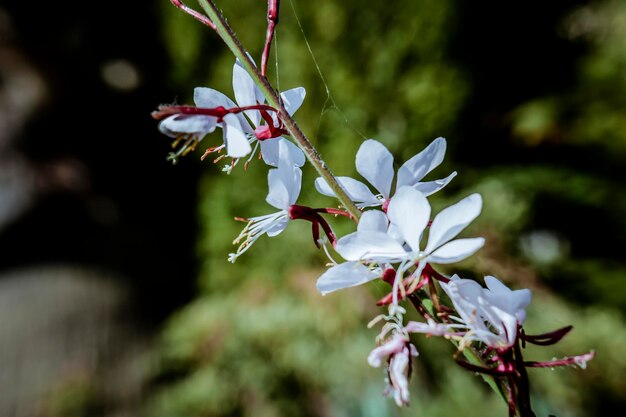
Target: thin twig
x,y
198,16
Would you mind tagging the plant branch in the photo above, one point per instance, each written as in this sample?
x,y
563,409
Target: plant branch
x,y
198,16
228,36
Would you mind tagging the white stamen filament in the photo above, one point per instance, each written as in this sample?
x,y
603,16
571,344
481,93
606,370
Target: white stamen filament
x,y
256,227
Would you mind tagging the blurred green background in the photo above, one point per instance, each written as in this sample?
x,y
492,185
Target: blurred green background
x,y
532,100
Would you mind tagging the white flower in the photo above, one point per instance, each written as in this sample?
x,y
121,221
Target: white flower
x,y
491,315
240,133
409,213
284,188
375,163
191,124
184,127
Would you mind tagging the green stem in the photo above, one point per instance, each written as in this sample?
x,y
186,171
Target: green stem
x,y
228,36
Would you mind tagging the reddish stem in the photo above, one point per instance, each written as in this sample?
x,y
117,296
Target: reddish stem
x,y
307,213
272,20
579,360
522,383
337,212
198,16
218,112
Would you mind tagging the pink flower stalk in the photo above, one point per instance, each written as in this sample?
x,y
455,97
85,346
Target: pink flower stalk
x,y
578,360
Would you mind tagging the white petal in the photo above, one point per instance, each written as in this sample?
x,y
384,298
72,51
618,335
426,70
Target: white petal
x,y
450,221
409,211
496,286
456,250
269,152
200,125
284,186
375,163
504,322
291,173
464,294
347,274
209,98
369,245
431,187
292,99
373,220
421,164
246,92
356,190
278,226
278,195
236,141
515,302
295,185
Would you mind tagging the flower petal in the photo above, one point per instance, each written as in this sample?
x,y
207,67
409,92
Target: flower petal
x,y
409,211
246,92
269,152
236,141
431,187
292,99
345,275
209,98
284,186
373,220
200,125
356,190
369,245
375,163
515,302
291,174
456,250
278,195
421,164
450,221
278,226
464,294
503,322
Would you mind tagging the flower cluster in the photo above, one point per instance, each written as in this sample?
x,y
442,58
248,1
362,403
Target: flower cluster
x,y
397,239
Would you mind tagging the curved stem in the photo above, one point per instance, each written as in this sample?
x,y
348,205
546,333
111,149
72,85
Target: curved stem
x,y
228,36
273,7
